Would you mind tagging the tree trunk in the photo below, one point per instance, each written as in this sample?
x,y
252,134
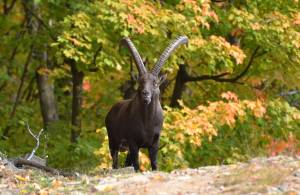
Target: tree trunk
x,y
47,99
45,87
77,79
183,77
179,85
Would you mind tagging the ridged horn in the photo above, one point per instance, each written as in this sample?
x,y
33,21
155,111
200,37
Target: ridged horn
x,y
167,52
135,54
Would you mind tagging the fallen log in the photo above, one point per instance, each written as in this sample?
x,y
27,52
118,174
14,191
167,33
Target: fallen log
x,y
19,162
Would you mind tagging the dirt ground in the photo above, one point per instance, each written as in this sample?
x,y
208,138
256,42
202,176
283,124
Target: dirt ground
x,y
275,175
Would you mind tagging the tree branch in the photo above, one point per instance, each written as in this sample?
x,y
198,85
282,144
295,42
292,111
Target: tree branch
x,y
37,138
21,161
250,62
4,7
291,92
25,70
205,77
29,89
18,36
7,8
219,78
12,114
96,54
40,21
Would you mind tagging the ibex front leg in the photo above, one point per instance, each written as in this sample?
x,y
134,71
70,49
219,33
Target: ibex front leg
x,y
153,157
153,152
134,157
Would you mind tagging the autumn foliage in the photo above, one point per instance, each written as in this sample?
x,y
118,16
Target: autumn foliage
x,y
186,129
239,96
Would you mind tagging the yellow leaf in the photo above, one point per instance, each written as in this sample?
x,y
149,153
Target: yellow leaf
x,y
20,178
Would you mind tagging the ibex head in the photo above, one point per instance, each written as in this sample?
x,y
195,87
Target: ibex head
x,y
149,81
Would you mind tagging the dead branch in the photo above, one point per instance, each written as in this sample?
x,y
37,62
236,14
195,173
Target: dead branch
x,y
18,162
37,138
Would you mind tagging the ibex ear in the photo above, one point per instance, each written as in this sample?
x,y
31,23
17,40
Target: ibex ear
x,y
134,77
162,78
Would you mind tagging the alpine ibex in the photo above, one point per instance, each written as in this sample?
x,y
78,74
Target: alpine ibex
x,y
136,123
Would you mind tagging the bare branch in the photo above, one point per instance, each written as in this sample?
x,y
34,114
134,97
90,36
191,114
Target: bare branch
x,y
37,138
219,77
206,77
292,92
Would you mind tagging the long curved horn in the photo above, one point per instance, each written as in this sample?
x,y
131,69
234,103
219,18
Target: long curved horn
x,y
136,56
168,51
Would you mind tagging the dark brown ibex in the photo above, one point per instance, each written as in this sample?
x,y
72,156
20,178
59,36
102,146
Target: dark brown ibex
x,y
136,123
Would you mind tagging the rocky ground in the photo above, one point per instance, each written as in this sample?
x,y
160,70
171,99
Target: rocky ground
x,y
275,175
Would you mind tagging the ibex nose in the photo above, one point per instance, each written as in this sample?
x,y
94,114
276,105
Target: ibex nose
x,y
145,93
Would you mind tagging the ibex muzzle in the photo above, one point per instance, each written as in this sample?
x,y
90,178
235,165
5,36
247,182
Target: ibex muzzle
x,y
148,86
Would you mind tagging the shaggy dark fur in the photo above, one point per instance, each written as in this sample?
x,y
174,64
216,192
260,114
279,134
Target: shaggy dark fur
x,y
136,123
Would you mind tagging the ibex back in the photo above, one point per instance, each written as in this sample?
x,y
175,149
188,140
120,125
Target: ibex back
x,y
136,123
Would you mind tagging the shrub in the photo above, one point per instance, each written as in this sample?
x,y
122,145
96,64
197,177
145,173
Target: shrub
x,y
222,132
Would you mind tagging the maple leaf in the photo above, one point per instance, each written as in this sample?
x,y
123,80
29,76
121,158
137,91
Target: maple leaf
x,y
230,96
297,19
130,19
237,54
213,15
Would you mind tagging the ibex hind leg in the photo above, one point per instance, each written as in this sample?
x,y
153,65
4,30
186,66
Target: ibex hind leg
x,y
153,157
114,154
128,161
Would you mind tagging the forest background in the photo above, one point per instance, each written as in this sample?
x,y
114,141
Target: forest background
x,y
231,94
